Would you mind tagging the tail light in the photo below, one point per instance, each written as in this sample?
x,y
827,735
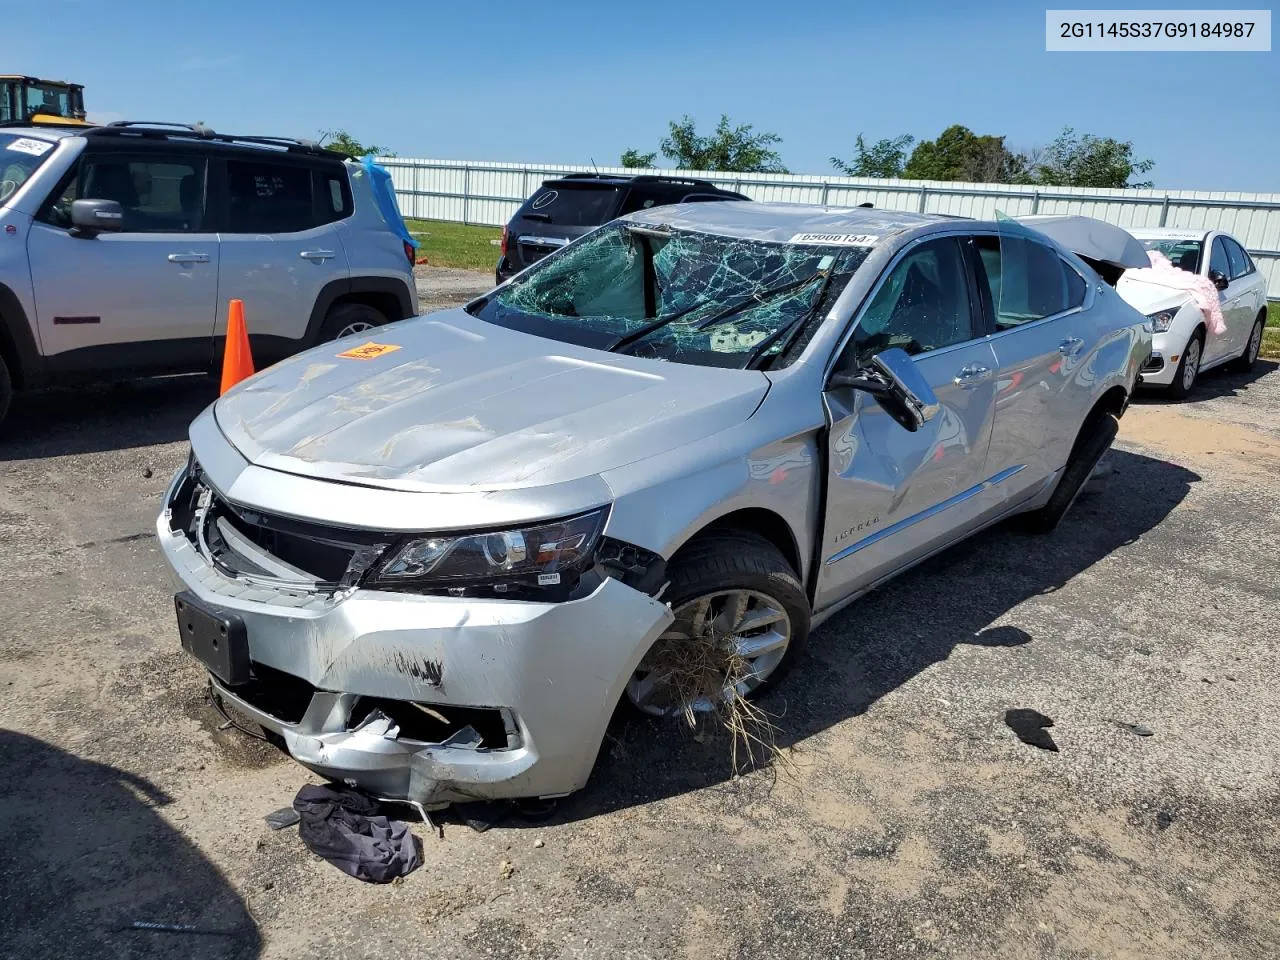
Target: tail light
x,y
409,251
503,245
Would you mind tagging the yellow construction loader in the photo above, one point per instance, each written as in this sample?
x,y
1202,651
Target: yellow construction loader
x,y
31,100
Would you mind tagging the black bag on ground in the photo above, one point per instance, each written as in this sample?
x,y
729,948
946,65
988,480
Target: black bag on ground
x,y
340,825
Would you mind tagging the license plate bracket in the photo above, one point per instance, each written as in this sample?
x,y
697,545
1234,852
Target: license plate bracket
x,y
217,638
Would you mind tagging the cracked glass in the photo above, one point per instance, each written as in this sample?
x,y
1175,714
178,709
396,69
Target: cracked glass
x,y
679,295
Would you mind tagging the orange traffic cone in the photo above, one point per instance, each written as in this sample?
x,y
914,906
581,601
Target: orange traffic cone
x,y
237,360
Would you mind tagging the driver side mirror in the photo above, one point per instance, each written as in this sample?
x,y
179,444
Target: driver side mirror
x,y
91,217
894,380
1219,279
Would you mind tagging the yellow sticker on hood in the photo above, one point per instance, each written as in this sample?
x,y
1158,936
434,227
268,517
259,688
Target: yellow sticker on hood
x,y
368,351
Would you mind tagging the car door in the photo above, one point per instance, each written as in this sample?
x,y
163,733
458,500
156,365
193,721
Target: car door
x,y
140,298
1230,296
894,495
279,247
1247,292
1041,338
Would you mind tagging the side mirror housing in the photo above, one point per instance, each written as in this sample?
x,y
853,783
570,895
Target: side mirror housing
x,y
1219,279
894,380
91,217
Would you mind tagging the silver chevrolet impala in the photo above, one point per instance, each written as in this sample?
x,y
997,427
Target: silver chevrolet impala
x,y
432,564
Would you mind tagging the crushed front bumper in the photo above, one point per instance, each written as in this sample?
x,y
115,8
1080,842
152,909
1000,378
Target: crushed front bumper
x,y
552,671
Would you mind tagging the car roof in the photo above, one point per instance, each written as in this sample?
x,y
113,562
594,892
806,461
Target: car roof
x,y
1169,233
41,131
781,222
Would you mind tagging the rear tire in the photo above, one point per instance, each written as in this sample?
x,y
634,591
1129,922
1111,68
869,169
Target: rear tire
x,y
722,566
1095,440
350,320
1244,363
6,392
1184,379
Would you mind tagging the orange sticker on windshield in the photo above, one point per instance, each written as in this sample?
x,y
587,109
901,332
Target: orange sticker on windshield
x,y
368,351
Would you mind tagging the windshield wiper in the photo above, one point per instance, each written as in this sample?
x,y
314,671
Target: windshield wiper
x,y
791,330
759,297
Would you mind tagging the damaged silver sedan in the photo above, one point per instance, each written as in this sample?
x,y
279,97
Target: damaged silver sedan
x,y
432,564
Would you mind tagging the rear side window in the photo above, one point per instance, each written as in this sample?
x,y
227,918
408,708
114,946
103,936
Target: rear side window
x,y
571,206
267,197
156,195
1027,280
1239,260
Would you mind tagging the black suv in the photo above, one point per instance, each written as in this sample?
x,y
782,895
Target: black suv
x,y
564,209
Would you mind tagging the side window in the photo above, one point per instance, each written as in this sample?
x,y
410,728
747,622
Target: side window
x,y
335,196
1218,258
160,195
1027,280
1239,260
923,304
268,197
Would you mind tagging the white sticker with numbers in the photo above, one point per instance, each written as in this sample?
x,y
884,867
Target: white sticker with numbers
x,y
37,148
838,239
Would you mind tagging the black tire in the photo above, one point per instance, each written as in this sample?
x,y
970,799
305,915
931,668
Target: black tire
x,y
344,316
6,392
1244,363
1180,389
1094,441
726,560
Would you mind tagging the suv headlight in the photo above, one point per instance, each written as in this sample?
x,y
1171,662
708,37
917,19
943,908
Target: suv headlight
x,y
1162,320
536,555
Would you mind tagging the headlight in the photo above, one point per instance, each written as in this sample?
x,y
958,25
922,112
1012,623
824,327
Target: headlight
x,y
1162,321
534,556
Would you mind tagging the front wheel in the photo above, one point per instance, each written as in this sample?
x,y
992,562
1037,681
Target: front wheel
x,y
1244,363
741,618
1188,368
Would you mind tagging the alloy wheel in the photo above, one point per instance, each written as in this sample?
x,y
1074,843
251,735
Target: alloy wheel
x,y
1255,343
351,329
721,645
1191,364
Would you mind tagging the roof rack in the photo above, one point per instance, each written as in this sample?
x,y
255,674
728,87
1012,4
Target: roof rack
x,y
640,178
163,129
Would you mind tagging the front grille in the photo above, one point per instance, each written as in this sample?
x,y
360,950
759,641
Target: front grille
x,y
246,542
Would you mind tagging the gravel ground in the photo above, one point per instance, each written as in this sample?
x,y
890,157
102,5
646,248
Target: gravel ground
x,y
903,819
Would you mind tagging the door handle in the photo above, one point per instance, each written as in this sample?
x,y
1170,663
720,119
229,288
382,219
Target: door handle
x,y
1070,346
188,258
972,375
320,255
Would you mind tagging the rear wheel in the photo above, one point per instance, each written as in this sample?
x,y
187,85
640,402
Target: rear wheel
x,y
1094,441
6,391
1188,367
1246,360
741,618
349,320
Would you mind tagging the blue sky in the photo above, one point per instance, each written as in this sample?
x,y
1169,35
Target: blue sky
x,y
571,82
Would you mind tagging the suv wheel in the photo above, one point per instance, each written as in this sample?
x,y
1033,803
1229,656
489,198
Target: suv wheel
x,y
349,320
741,618
6,391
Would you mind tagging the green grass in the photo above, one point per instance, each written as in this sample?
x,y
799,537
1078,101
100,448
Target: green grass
x,y
447,244
1270,343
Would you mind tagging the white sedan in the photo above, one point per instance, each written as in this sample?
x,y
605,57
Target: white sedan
x,y
1184,344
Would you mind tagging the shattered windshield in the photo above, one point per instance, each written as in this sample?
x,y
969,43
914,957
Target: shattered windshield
x,y
678,295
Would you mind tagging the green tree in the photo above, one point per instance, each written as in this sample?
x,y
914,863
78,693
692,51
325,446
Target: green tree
x,y
340,141
1083,160
729,148
636,159
960,154
884,158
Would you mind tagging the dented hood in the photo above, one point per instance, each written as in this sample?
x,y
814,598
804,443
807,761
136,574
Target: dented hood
x,y
449,402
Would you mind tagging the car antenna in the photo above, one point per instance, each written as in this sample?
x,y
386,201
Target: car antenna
x,y
594,167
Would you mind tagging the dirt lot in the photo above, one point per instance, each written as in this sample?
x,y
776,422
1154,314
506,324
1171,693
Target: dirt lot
x,y
908,819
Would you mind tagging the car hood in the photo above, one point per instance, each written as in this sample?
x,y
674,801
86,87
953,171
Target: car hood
x,y
1150,298
448,402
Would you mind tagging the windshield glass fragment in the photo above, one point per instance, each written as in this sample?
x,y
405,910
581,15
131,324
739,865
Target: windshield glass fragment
x,y
679,295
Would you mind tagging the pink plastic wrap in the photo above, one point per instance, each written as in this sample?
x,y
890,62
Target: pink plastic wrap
x,y
1163,273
